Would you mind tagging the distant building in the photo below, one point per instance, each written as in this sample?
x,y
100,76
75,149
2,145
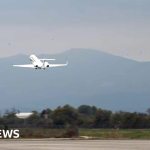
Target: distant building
x,y
24,115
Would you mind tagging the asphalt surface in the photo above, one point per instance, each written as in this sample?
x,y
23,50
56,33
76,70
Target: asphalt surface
x,y
74,145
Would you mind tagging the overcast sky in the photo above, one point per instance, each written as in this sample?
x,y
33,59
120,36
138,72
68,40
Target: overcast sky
x,y
119,27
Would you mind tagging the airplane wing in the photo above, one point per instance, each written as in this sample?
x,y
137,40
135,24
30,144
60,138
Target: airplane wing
x,y
58,65
27,66
47,59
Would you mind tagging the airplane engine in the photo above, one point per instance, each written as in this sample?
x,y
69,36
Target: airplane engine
x,y
46,64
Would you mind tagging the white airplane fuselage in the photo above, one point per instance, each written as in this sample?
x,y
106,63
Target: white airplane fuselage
x,y
37,63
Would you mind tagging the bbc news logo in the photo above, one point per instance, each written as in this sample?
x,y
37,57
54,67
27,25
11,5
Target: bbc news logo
x,y
9,134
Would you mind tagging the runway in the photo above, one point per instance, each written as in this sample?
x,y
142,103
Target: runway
x,y
74,145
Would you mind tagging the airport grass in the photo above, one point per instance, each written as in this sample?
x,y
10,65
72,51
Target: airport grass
x,y
142,134
116,134
102,134
41,133
47,133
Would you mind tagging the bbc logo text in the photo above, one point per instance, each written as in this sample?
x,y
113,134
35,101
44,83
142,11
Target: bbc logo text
x,y
9,134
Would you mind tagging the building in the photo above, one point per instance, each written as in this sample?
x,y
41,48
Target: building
x,y
24,115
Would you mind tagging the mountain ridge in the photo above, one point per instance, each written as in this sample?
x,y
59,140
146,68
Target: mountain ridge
x,y
91,77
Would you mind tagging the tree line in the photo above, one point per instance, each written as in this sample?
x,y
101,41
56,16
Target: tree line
x,y
84,116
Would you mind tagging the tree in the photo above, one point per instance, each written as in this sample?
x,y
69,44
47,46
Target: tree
x,y
85,121
35,112
64,115
128,120
85,109
115,120
147,122
33,119
102,118
43,113
49,111
11,115
94,110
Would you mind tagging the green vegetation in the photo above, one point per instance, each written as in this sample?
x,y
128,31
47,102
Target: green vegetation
x,y
84,117
91,121
115,134
47,133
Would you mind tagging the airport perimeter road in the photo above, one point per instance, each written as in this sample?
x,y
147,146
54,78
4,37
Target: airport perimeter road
x,y
74,145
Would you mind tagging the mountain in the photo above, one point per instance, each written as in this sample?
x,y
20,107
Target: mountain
x,y
91,77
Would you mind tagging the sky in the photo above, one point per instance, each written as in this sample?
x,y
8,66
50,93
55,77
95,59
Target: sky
x,y
119,27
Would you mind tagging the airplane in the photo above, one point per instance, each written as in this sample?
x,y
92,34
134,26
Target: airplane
x,y
38,64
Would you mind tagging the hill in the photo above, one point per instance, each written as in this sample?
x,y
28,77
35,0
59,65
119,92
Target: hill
x,y
91,77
